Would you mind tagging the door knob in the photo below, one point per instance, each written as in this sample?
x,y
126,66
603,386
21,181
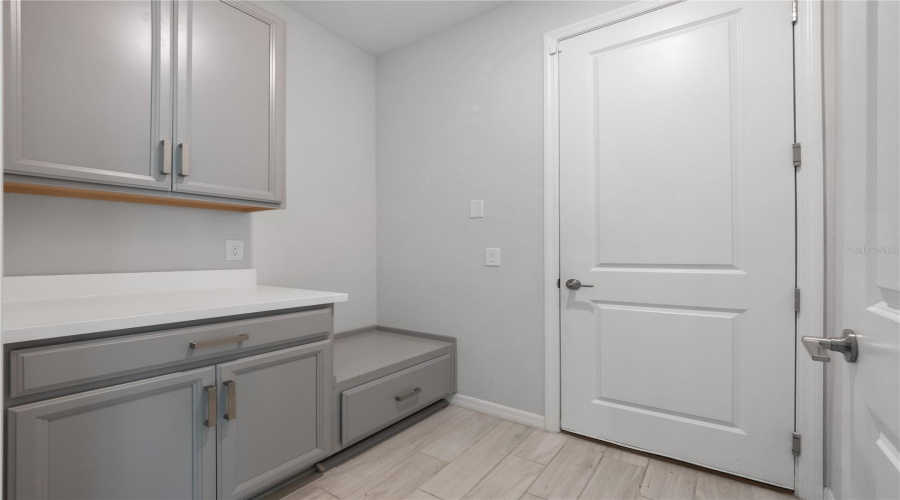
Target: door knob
x,y
846,344
574,284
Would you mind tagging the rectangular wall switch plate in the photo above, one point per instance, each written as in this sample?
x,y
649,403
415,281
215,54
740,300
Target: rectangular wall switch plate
x,y
234,249
492,257
476,209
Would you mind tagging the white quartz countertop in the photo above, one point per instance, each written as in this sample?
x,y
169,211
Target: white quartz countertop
x,y
139,300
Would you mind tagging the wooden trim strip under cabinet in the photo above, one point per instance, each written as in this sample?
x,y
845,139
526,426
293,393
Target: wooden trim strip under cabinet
x,y
91,194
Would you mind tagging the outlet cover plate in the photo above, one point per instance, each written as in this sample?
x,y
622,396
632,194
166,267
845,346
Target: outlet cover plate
x,y
234,249
492,257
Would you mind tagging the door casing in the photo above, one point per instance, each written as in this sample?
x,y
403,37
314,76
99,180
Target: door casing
x,y
808,119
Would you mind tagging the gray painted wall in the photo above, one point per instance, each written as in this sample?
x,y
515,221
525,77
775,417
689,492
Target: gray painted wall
x,y
325,239
460,117
52,235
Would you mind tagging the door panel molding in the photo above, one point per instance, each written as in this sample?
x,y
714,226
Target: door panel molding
x,y
809,420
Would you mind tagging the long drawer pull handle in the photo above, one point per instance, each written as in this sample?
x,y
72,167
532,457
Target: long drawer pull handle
x,y
211,343
408,394
230,393
212,401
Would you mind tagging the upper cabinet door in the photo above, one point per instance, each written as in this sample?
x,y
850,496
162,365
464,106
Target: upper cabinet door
x,y
230,116
87,91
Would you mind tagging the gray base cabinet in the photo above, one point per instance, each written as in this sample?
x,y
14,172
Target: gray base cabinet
x,y
255,412
272,417
225,410
145,439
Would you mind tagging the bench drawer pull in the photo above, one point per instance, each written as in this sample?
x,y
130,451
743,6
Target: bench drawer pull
x,y
210,343
408,394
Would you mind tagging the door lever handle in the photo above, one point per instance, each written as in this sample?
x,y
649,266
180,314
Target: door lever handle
x,y
574,284
846,344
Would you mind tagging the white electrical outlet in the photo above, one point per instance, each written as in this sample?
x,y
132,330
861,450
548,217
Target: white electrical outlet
x,y
234,249
492,257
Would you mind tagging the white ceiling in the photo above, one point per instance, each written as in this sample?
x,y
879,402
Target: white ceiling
x,y
379,27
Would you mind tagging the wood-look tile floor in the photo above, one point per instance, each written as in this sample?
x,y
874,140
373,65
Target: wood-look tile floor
x,y
460,454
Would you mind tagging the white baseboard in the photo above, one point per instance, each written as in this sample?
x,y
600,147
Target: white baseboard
x,y
828,494
499,411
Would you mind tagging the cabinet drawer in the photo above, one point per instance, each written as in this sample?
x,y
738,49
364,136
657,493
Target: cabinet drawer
x,y
371,406
63,365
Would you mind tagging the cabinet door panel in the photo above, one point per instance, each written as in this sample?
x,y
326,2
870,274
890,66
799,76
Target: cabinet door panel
x,y
88,93
230,117
276,422
144,439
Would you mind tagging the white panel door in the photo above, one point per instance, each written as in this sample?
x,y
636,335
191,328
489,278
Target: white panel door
x,y
677,207
864,423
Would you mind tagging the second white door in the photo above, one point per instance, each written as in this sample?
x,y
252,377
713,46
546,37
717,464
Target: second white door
x,y
677,207
863,398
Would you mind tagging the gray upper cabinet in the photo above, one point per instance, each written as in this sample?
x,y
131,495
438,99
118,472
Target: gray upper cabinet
x,y
169,101
88,91
230,113
144,439
274,417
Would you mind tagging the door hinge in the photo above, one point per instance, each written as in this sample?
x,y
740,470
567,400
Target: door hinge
x,y
794,8
797,154
796,300
554,47
795,443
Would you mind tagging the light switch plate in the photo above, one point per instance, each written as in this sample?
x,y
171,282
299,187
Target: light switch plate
x,y
476,209
492,257
234,249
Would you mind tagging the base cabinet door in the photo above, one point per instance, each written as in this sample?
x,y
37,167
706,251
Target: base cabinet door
x,y
145,439
273,417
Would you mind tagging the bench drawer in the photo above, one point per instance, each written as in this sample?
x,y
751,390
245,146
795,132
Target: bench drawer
x,y
374,405
43,368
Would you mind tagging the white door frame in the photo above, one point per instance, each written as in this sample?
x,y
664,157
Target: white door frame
x,y
810,375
